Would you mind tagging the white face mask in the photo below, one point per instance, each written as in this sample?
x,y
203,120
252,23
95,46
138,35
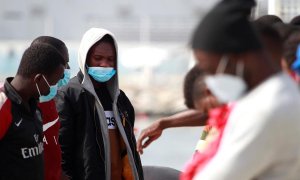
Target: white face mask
x,y
226,87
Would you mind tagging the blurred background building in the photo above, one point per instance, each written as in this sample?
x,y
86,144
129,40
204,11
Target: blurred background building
x,y
286,9
130,20
153,37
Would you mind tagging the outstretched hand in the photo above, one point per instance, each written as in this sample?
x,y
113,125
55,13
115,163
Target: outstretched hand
x,y
152,133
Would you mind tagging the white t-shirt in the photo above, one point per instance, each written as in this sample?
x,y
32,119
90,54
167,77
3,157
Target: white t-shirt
x,y
261,138
110,118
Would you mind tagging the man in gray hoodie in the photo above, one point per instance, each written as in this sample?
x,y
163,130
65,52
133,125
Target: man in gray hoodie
x,y
97,119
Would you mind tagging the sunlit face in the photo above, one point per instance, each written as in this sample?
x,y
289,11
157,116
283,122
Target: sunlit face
x,y
208,62
102,55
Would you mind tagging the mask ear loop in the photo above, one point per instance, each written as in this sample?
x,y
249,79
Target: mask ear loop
x,y
38,89
222,65
240,69
46,81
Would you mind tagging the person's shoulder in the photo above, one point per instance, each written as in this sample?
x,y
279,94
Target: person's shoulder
x,y
3,97
122,95
123,98
5,114
274,104
72,91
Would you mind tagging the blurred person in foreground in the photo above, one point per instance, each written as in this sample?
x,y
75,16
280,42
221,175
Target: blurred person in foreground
x,y
267,100
52,151
21,130
195,116
97,118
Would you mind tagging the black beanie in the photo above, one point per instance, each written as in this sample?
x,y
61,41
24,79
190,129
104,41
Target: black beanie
x,y
226,29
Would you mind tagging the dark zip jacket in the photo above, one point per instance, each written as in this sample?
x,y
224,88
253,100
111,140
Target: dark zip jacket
x,y
80,136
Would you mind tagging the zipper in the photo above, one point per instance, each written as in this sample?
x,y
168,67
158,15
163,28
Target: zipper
x,y
97,133
130,129
105,137
131,135
135,170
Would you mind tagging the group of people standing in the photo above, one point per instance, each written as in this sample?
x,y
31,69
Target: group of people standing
x,y
53,128
243,88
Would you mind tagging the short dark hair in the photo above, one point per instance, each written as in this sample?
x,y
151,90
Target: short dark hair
x,y
40,58
271,39
199,88
56,43
267,30
107,39
290,46
295,21
284,30
269,20
188,86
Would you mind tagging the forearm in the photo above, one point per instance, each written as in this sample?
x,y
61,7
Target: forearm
x,y
183,119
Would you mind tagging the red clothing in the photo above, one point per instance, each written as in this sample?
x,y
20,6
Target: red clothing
x,y
217,120
21,133
52,151
295,76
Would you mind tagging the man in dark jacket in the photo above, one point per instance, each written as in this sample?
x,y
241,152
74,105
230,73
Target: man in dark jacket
x,y
21,128
97,119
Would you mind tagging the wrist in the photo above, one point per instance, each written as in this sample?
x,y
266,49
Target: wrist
x,y
162,124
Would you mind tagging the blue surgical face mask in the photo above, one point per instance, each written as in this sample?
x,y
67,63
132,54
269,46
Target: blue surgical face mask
x,y
296,65
101,74
65,80
51,95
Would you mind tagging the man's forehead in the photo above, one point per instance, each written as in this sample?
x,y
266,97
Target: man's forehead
x,y
103,47
206,61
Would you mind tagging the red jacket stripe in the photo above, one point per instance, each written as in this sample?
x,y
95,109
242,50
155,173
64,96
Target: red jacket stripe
x,y
5,114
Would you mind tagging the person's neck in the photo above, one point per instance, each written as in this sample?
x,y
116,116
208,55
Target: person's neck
x,y
22,86
98,85
259,69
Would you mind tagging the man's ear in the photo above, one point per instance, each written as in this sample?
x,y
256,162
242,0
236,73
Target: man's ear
x,y
37,78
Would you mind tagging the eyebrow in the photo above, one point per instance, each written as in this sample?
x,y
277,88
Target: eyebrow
x,y
103,55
